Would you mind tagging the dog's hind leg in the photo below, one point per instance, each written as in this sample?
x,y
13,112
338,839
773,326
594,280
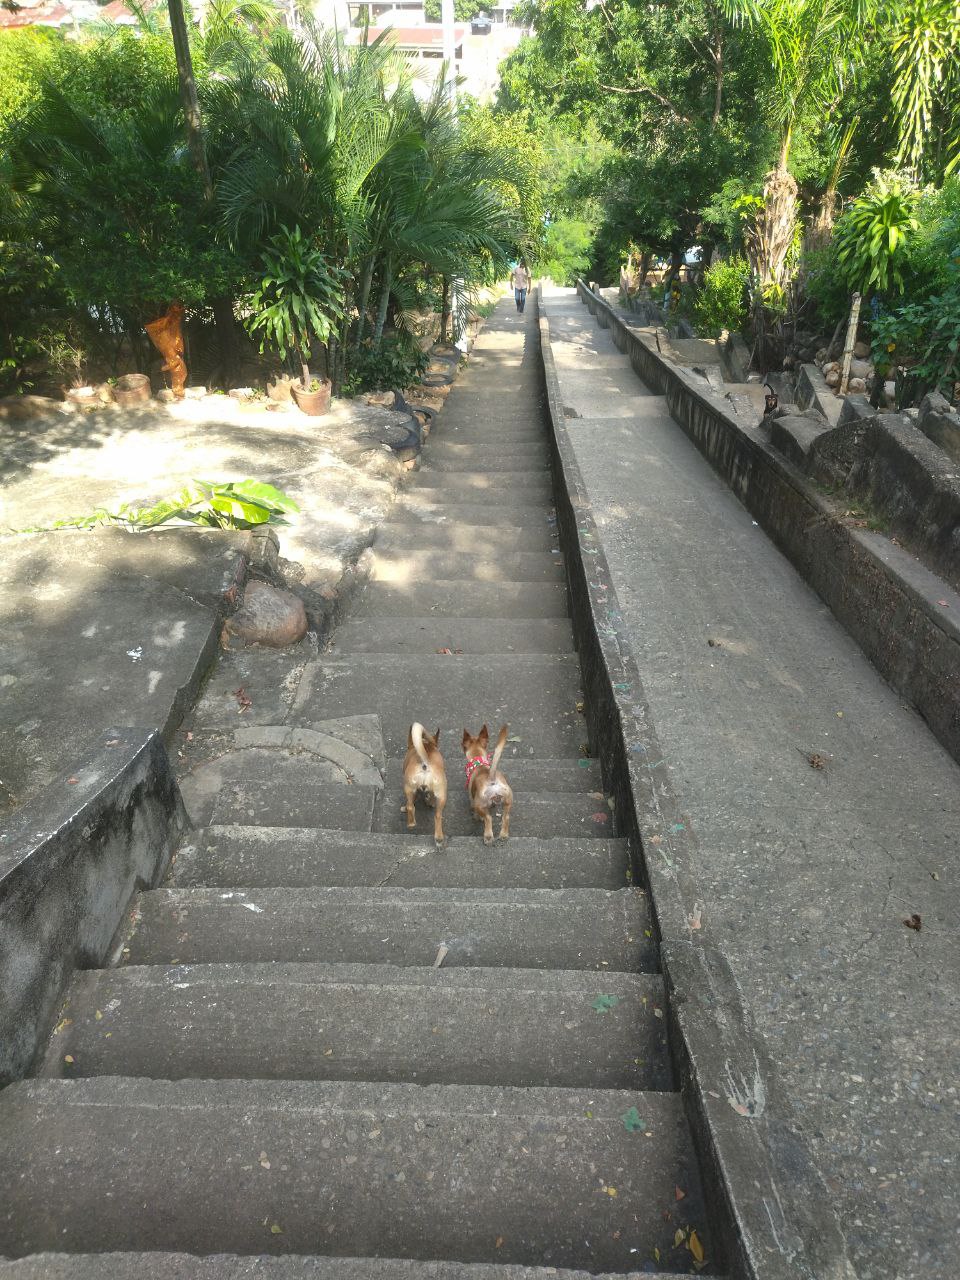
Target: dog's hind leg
x,y
488,826
505,820
410,793
438,821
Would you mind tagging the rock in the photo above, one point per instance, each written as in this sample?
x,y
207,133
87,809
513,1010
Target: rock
x,y
23,408
166,396
862,351
194,393
384,398
267,616
240,393
820,359
789,362
857,384
890,393
861,369
833,377
832,366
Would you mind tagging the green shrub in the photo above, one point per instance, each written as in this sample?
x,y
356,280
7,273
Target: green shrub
x,y
872,235
398,363
722,303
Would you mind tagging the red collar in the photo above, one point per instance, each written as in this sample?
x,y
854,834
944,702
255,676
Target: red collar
x,y
473,765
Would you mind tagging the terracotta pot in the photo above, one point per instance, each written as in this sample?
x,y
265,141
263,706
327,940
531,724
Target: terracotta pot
x,y
131,389
315,403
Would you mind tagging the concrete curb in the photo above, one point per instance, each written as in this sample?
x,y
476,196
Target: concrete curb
x,y
69,864
904,617
770,1205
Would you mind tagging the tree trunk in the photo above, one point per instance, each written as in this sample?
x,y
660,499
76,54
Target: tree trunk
x,y
384,302
366,283
444,308
188,95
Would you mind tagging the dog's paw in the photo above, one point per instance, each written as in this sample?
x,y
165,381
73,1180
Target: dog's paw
x,y
440,844
488,839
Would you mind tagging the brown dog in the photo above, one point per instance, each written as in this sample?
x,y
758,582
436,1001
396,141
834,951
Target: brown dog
x,y
488,788
424,773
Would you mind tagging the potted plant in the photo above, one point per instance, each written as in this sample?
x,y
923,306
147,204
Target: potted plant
x,y
299,298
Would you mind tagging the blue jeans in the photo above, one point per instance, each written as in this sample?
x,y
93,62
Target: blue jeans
x,y
521,297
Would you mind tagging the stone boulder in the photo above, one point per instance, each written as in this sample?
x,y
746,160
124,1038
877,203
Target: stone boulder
x,y
268,616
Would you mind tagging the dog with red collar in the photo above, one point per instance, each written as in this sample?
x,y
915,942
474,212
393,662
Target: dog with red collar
x,y
487,787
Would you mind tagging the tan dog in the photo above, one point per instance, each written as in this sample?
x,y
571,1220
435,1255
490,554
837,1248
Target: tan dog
x,y
424,773
488,788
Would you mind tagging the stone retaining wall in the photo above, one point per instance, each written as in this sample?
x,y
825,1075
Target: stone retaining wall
x,y
70,863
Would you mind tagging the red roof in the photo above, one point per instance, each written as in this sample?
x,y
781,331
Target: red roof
x,y
39,15
428,36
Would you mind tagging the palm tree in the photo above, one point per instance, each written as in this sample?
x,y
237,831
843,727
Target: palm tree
x,y
813,45
925,42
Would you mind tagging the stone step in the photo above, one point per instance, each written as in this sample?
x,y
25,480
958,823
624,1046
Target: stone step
x,y
455,534
494,490
483,564
491,600
364,1022
248,785
473,1173
489,928
262,802
537,695
485,460
224,1266
266,857
469,635
477,447
528,774
414,508
537,814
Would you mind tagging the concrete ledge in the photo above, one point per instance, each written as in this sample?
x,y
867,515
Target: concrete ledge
x,y
70,862
905,619
770,1207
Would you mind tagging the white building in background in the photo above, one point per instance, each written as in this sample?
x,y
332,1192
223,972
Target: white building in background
x,y
479,46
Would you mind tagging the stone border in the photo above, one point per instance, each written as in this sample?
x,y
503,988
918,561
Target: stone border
x,y
905,618
70,862
772,1213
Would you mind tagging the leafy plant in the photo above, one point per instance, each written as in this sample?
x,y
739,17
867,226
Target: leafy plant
x,y
873,233
722,301
298,300
566,250
236,504
397,363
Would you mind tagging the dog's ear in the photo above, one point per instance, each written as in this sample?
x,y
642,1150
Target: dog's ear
x,y
465,739
484,735
410,736
436,737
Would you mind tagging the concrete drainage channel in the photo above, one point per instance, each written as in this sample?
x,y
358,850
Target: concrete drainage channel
x,y
328,1042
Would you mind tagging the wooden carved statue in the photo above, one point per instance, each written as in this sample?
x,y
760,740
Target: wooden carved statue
x,y
166,334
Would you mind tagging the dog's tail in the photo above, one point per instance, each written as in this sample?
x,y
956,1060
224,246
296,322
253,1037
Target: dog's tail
x,y
498,751
416,737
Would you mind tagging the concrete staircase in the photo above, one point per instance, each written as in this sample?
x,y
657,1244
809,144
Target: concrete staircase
x,y
326,1041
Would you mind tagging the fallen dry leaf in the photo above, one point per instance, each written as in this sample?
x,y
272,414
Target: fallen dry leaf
x,y
914,922
244,701
498,1243
695,1247
678,1194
